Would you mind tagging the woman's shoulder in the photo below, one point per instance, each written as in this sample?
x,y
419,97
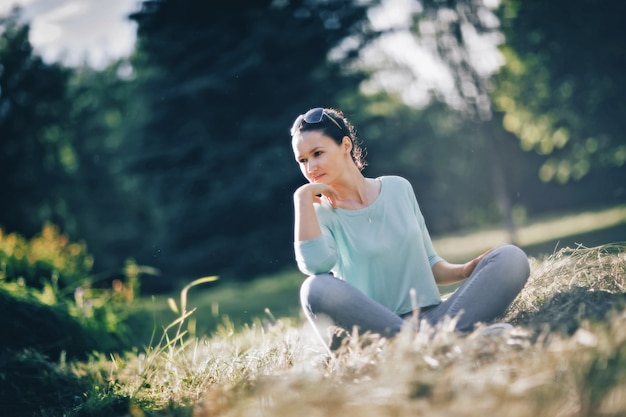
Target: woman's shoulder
x,y
395,181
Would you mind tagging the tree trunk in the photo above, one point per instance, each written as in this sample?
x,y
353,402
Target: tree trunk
x,y
498,181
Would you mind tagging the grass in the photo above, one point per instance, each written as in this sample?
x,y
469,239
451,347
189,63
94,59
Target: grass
x,y
244,350
565,357
234,302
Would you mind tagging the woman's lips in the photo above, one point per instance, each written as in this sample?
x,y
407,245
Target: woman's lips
x,y
317,177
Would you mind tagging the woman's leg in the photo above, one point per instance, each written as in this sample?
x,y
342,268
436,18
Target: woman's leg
x,y
326,296
487,293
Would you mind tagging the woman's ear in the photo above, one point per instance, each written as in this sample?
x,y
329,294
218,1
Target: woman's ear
x,y
346,144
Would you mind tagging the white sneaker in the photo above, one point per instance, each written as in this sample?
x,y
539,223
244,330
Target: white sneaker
x,y
495,329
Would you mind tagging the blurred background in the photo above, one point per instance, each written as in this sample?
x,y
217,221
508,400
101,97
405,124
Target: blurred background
x,y
157,131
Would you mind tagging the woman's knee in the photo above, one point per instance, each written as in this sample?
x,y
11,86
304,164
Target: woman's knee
x,y
516,262
518,258
314,289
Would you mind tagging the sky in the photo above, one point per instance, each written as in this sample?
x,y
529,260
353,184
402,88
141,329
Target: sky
x,y
99,31
77,31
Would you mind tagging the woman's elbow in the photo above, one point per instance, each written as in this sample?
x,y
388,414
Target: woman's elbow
x,y
314,268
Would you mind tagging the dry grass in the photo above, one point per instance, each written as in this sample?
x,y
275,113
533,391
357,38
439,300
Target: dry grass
x,y
571,286
566,357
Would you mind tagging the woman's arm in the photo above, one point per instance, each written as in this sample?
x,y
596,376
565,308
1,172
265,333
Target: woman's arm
x,y
306,226
446,273
314,254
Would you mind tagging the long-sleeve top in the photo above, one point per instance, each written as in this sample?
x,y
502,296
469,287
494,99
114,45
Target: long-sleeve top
x,y
383,249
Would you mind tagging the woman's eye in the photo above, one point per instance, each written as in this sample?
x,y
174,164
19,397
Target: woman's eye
x,y
318,153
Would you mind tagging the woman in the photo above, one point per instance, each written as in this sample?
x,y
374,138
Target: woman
x,y
364,244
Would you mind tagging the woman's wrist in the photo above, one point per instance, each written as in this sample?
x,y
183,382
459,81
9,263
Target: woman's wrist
x,y
303,198
462,271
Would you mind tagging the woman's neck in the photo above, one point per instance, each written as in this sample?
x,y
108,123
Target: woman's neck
x,y
355,191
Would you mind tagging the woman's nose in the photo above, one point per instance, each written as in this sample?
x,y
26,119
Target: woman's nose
x,y
311,166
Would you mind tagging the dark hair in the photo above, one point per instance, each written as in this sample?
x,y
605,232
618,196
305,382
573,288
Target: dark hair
x,y
330,129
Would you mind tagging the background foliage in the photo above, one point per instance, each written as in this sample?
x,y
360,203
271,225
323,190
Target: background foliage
x,y
560,90
179,157
51,303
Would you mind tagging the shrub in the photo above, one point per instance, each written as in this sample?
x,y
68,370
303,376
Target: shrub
x,y
48,301
48,257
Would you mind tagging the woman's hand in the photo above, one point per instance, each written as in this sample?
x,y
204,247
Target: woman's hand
x,y
316,189
306,226
446,273
469,267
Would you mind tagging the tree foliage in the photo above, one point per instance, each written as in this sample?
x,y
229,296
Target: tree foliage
x,y
105,206
35,155
455,32
62,132
180,157
223,84
563,84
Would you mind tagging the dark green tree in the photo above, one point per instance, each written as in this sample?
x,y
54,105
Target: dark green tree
x,y
36,156
106,209
222,83
62,132
563,84
527,98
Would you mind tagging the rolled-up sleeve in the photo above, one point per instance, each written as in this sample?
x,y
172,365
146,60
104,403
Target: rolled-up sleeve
x,y
316,256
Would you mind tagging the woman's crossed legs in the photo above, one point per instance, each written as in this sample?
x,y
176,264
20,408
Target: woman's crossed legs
x,y
483,297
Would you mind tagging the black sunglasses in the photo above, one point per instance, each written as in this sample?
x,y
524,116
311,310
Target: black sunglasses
x,y
312,117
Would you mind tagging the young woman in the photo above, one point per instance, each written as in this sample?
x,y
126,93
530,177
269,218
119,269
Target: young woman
x,y
365,246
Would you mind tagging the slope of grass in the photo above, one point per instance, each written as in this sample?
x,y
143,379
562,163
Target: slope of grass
x,y
565,357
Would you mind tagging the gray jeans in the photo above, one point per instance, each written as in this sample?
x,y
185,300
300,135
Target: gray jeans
x,y
483,297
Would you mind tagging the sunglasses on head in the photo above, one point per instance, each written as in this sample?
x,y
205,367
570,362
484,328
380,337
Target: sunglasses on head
x,y
312,117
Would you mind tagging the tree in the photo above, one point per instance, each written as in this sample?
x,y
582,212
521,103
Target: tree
x,y
105,205
449,30
222,84
442,154
61,133
36,157
563,84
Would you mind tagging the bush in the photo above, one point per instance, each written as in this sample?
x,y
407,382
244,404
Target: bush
x,y
48,301
47,258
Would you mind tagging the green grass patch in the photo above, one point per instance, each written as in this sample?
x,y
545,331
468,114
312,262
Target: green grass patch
x,y
236,303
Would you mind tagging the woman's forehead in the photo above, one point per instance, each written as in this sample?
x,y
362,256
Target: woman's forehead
x,y
305,142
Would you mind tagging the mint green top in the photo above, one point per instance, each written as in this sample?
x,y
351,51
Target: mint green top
x,y
383,249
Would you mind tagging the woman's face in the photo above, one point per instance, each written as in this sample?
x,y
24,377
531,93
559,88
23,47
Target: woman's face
x,y
319,157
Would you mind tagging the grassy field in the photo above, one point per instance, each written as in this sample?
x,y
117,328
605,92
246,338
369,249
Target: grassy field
x,y
243,349
565,357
